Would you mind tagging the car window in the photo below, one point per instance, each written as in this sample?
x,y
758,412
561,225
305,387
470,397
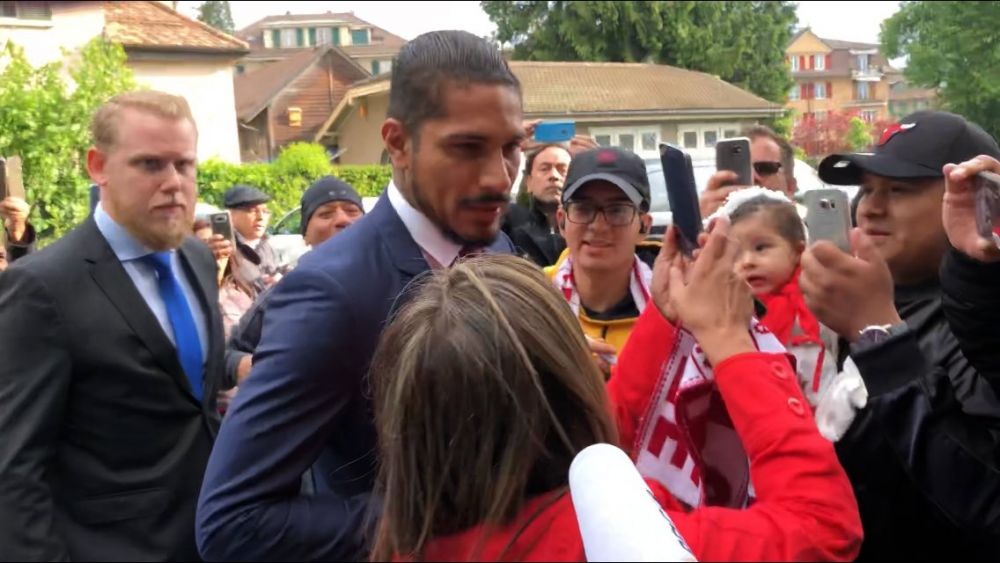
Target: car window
x,y
658,184
289,224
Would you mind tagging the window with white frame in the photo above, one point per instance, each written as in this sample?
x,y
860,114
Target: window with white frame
x,y
863,90
643,141
819,90
793,95
795,63
700,136
288,38
26,10
869,116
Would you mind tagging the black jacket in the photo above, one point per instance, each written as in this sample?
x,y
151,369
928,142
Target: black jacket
x,y
532,235
103,444
924,455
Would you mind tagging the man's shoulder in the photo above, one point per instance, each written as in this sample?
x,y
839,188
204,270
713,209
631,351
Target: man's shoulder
x,y
59,259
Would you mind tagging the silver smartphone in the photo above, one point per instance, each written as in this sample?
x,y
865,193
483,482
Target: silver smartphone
x,y
221,225
829,217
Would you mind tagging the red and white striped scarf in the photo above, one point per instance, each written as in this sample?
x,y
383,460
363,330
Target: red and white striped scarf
x,y
687,441
642,277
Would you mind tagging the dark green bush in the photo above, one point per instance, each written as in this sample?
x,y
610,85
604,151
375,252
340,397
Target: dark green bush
x,y
284,179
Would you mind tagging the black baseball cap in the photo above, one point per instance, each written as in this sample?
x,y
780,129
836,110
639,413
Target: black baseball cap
x,y
241,196
622,168
917,147
323,191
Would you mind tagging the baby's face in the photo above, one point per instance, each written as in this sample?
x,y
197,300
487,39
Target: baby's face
x,y
767,261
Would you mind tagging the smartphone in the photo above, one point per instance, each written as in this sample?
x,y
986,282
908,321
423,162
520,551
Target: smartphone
x,y
988,205
221,225
13,181
555,131
682,193
734,155
829,217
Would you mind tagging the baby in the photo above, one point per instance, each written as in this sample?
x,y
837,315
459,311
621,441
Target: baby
x,y
773,238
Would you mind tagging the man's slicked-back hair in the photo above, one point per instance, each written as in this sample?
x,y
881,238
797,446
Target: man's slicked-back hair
x,y
431,61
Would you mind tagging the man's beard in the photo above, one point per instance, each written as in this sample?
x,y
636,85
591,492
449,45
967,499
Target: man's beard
x,y
160,239
421,204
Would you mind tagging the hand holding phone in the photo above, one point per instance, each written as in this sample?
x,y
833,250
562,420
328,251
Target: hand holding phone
x,y
682,194
829,217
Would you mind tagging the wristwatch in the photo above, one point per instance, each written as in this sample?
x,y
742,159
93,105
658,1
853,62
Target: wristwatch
x,y
874,335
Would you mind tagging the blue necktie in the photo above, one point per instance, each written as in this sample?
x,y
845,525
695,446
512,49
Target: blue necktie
x,y
181,320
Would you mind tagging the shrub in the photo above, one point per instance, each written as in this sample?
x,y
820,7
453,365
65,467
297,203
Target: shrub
x,y
284,179
49,126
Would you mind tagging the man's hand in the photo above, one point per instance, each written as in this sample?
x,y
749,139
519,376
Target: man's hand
x,y
959,209
243,368
15,213
581,143
601,349
711,301
529,134
221,247
848,293
225,398
718,189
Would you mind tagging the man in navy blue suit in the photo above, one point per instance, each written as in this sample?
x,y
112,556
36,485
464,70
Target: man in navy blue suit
x,y
454,133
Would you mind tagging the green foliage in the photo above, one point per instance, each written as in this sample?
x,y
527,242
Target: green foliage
x,y
741,42
216,13
859,135
954,47
49,126
284,179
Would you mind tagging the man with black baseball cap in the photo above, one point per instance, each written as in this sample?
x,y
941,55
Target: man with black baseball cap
x,y
328,207
250,216
920,428
605,270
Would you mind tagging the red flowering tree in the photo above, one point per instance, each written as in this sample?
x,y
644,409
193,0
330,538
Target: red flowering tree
x,y
840,131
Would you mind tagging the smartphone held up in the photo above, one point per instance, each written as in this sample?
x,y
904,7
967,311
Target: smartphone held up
x,y
988,206
829,217
682,193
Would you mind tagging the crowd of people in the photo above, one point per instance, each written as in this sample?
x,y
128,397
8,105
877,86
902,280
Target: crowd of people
x,y
419,383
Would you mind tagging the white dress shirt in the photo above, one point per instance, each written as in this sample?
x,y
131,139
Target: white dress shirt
x,y
425,233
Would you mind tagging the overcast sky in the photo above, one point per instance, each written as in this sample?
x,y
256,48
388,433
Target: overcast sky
x,y
849,21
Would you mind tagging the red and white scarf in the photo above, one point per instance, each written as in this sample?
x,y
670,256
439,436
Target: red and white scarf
x,y
687,441
642,277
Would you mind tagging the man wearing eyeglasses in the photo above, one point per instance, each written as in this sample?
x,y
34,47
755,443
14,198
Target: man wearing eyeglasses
x,y
605,271
250,216
773,161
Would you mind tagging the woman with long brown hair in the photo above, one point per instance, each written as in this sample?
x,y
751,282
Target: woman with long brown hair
x,y
485,391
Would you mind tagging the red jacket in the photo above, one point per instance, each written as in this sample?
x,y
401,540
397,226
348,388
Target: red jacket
x,y
805,507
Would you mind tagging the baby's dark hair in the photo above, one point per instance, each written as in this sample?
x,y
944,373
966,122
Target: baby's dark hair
x,y
782,215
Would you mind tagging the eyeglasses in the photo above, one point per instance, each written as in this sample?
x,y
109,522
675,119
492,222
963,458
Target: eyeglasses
x,y
616,214
766,168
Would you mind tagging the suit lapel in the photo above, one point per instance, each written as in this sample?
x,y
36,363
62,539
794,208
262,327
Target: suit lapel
x,y
110,276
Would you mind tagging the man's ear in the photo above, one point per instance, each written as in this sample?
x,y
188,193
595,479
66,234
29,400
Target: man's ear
x,y
645,224
561,221
96,160
397,143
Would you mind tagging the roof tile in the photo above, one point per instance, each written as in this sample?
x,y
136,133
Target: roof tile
x,y
153,25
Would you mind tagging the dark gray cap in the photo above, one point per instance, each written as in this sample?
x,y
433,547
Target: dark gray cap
x,y
323,191
241,196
